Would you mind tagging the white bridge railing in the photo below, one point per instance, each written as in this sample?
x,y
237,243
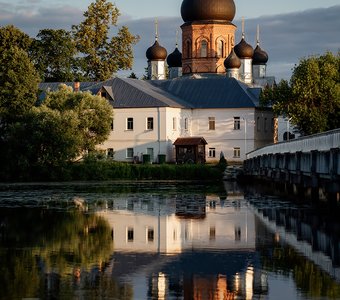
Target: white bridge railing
x,y
320,142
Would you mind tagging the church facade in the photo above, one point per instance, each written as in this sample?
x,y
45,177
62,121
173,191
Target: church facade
x,y
211,92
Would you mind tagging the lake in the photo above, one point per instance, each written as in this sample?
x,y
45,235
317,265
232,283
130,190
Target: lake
x,y
164,240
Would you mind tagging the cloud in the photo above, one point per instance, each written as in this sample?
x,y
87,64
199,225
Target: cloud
x,y
31,18
285,37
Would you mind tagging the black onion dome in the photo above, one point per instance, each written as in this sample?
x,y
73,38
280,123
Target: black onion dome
x,y
156,52
260,56
202,10
243,49
174,59
232,61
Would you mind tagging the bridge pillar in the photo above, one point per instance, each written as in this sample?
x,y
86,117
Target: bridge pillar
x,y
334,162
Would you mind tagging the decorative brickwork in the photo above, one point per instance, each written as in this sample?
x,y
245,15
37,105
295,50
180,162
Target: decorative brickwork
x,y
205,46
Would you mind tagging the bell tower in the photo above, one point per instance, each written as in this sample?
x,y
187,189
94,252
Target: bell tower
x,y
208,36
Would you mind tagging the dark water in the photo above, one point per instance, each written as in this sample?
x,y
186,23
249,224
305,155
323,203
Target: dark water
x,y
164,241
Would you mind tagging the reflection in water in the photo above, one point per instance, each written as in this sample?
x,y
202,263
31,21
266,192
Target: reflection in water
x,y
162,241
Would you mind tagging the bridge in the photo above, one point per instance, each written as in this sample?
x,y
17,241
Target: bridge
x,y
307,166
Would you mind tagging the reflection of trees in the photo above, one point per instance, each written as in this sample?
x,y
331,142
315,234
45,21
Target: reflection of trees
x,y
308,277
40,251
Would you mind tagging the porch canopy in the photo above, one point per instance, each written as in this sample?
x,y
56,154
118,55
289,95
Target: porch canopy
x,y
190,150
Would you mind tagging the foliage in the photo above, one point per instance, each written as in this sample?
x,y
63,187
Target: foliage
x,y
53,54
133,75
103,57
93,112
10,37
18,83
312,97
222,164
46,138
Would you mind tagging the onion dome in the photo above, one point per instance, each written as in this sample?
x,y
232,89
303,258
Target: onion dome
x,y
174,59
203,10
156,52
232,61
243,49
260,57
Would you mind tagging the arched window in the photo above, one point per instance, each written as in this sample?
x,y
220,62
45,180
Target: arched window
x,y
220,48
188,48
204,48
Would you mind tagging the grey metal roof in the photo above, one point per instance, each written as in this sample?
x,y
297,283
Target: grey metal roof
x,y
128,92
185,92
211,92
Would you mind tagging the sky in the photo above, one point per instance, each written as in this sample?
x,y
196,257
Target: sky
x,y
289,30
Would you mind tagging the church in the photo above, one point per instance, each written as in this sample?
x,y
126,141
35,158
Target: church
x,y
198,103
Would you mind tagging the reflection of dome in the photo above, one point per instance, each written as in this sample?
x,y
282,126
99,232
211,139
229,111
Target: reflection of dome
x,y
260,57
244,50
232,61
174,59
156,52
198,10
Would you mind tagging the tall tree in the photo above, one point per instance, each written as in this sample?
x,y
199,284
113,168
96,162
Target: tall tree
x,y
312,97
65,125
103,56
18,84
11,36
53,53
94,114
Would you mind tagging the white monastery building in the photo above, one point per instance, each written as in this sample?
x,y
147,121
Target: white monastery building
x,y
208,106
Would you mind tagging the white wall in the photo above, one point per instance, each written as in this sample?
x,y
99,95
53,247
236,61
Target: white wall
x,y
224,138
160,139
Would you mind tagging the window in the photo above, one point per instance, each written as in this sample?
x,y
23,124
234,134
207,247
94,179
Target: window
x,y
212,233
150,235
186,126
188,49
265,124
212,152
130,234
204,48
174,235
110,152
237,123
273,125
211,123
258,128
220,49
174,124
129,124
129,153
112,125
237,233
237,152
149,124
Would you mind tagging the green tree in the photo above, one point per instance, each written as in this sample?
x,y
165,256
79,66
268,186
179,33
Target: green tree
x,y
11,36
18,84
53,53
103,56
133,76
93,112
49,136
312,97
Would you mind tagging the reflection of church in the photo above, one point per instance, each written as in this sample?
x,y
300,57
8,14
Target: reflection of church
x,y
199,247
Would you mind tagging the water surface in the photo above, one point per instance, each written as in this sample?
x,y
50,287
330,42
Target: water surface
x,y
163,240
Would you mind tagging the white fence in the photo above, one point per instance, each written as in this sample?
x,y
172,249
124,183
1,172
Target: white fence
x,y
321,142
